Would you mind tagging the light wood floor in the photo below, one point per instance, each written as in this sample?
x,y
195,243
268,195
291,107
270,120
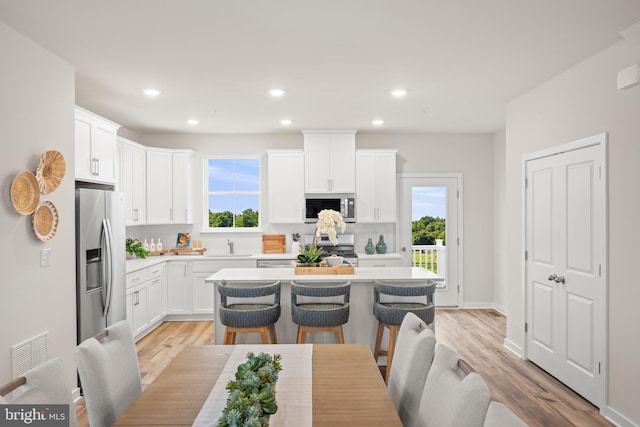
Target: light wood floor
x,y
477,335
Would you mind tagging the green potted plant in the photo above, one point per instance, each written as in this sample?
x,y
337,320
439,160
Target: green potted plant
x,y
135,249
252,397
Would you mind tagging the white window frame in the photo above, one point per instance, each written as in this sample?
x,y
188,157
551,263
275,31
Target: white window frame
x,y
206,194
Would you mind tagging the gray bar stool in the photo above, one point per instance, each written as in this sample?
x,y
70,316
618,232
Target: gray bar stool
x,y
255,315
391,313
320,315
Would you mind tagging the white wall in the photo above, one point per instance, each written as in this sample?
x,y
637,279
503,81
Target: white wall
x,y
581,102
36,114
499,218
472,155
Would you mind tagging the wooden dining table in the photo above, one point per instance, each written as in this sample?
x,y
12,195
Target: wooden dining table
x,y
347,388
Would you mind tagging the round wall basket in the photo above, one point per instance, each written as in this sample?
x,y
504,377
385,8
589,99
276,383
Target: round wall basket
x,y
51,170
25,194
45,221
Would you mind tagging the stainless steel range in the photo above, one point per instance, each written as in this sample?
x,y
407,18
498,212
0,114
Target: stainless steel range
x,y
345,247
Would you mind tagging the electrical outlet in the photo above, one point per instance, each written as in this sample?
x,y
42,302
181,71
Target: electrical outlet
x,y
45,257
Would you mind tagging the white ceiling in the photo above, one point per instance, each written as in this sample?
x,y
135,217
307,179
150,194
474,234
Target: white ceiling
x,y
461,60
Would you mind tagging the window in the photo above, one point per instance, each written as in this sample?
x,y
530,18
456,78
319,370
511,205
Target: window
x,y
233,193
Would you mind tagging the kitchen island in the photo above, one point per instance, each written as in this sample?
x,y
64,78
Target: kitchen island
x,y
362,325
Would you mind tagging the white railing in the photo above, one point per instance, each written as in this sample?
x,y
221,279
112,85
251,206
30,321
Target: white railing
x,y
431,257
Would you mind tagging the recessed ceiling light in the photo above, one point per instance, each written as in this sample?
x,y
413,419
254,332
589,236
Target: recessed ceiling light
x,y
285,122
192,122
399,93
151,92
276,93
377,122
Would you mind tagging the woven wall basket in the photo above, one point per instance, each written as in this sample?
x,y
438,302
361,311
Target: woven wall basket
x,y
51,170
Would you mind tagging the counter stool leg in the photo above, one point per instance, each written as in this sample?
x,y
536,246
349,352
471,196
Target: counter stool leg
x,y
302,332
340,334
272,332
377,352
265,335
393,334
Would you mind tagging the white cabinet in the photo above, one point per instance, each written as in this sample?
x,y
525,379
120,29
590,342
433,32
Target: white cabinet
x,y
182,212
169,186
95,147
376,185
146,298
329,161
203,297
178,288
133,181
159,186
286,186
381,262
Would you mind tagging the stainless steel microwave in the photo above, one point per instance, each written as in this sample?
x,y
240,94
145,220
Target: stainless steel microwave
x,y
343,203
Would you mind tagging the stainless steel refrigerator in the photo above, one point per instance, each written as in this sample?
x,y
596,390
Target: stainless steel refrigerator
x,y
100,260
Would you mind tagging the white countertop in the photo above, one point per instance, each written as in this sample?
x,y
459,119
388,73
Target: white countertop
x,y
140,263
361,274
391,255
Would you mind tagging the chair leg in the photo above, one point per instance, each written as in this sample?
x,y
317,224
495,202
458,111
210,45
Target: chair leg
x,y
302,333
393,333
272,332
229,336
376,351
340,334
265,335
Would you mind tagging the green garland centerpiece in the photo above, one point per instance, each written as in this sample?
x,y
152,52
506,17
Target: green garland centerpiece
x,y
252,398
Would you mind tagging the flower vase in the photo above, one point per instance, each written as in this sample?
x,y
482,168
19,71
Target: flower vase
x,y
369,249
381,247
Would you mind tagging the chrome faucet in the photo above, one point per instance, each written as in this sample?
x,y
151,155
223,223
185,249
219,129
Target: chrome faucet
x,y
230,243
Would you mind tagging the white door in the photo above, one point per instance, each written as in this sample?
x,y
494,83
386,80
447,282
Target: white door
x,y
565,267
444,194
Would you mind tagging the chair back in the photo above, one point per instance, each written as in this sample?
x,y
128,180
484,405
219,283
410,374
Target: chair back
x,y
109,374
392,312
499,415
248,289
321,289
412,360
451,397
47,383
319,308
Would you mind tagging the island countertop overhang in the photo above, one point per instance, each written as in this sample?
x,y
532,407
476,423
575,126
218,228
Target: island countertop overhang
x,y
361,274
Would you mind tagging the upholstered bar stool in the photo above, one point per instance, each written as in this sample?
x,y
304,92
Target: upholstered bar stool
x,y
252,315
317,312
390,311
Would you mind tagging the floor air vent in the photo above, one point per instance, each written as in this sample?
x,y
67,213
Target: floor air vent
x,y
27,355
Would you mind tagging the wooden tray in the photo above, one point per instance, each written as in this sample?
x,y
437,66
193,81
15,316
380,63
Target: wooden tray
x,y
274,244
340,269
162,252
188,251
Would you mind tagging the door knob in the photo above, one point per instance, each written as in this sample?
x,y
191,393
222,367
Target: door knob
x,y
559,279
552,277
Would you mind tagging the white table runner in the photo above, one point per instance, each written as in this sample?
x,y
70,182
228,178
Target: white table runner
x,y
293,389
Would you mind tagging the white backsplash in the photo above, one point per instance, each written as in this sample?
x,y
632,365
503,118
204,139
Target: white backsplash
x,y
251,243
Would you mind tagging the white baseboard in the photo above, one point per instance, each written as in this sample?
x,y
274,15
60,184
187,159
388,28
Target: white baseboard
x,y
616,417
513,347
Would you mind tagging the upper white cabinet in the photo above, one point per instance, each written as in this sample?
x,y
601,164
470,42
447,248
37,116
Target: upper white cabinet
x,y
133,181
329,160
376,185
169,186
286,186
96,144
181,198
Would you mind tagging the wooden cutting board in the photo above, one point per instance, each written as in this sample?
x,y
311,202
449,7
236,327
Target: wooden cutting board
x,y
274,244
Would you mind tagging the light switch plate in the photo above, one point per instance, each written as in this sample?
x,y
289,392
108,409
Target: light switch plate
x,y
45,257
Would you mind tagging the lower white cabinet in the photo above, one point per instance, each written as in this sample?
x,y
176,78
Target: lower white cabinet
x,y
178,288
203,292
146,298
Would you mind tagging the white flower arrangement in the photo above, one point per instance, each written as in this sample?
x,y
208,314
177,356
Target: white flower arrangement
x,y
328,219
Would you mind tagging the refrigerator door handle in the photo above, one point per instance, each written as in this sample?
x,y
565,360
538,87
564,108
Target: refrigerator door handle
x,y
109,264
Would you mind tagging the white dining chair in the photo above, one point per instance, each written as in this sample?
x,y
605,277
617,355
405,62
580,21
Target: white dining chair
x,y
109,373
499,415
414,352
453,394
47,383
